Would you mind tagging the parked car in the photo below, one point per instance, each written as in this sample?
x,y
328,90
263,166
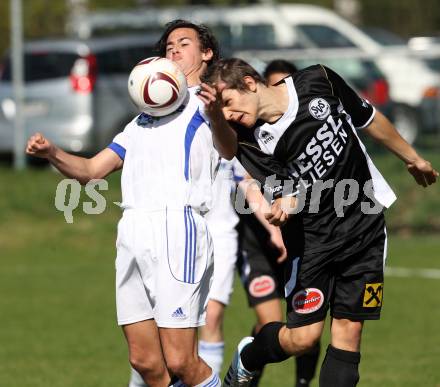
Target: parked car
x,y
412,82
354,66
429,54
273,26
75,90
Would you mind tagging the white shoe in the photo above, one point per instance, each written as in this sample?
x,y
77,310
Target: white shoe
x,y
237,375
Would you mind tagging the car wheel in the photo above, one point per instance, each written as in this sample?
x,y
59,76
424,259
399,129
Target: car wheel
x,y
406,122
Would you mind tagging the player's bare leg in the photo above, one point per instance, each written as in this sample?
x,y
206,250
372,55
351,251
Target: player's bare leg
x,y
180,352
213,330
273,344
145,352
211,343
341,363
268,311
296,341
346,334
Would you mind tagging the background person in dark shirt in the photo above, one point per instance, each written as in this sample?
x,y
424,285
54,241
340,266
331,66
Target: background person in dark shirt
x,y
298,138
277,70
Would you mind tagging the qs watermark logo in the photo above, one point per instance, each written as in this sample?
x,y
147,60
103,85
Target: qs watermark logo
x,y
308,196
68,195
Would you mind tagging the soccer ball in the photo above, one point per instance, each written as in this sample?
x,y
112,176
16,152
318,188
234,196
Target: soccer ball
x,y
157,86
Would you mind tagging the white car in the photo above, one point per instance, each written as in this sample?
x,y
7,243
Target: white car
x,y
75,90
413,84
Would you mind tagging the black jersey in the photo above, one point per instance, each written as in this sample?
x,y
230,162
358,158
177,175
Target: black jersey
x,y
314,153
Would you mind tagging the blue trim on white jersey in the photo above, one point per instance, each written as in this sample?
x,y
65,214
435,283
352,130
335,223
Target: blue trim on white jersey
x,y
186,244
196,121
194,248
118,149
237,178
190,246
191,252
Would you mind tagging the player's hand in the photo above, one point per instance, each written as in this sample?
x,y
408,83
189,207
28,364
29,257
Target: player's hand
x,y
423,172
209,96
280,210
276,241
39,146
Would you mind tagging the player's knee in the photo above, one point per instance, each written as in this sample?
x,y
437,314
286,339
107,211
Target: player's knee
x,y
180,364
350,327
146,365
346,334
303,339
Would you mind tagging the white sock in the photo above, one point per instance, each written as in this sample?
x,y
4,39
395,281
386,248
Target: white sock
x,y
212,381
136,379
212,353
179,383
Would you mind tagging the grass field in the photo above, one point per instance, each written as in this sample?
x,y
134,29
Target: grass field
x,y
57,293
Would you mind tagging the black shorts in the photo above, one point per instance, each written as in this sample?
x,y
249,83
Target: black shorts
x,y
347,279
262,277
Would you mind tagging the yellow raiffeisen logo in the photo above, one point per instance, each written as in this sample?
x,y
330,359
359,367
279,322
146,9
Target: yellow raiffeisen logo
x,y
373,295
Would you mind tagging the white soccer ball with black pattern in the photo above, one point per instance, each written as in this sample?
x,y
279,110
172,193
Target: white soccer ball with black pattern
x,y
157,86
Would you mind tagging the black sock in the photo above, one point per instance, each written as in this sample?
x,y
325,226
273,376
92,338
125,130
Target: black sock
x,y
306,366
265,348
340,368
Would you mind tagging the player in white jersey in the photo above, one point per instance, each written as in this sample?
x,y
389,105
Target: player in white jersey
x,y
164,258
222,221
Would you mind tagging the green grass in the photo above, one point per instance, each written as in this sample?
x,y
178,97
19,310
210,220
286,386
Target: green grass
x,y
416,208
58,310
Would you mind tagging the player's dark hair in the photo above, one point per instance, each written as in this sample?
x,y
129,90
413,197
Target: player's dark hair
x,y
231,71
279,66
206,38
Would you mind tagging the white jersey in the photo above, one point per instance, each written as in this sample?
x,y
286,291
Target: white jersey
x,y
222,221
169,162
164,258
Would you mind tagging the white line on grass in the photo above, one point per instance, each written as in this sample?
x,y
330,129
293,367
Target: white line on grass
x,y
405,272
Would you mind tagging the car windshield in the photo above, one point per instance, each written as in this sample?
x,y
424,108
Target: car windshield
x,y
433,63
358,72
245,36
324,36
40,66
384,37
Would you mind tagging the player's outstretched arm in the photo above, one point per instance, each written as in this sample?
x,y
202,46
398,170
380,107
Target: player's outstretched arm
x,y
80,168
281,210
383,131
261,208
224,137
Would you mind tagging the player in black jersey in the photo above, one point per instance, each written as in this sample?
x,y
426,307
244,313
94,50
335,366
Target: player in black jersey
x,y
298,138
263,255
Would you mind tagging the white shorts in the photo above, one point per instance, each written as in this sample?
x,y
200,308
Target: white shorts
x,y
164,267
225,256
222,221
